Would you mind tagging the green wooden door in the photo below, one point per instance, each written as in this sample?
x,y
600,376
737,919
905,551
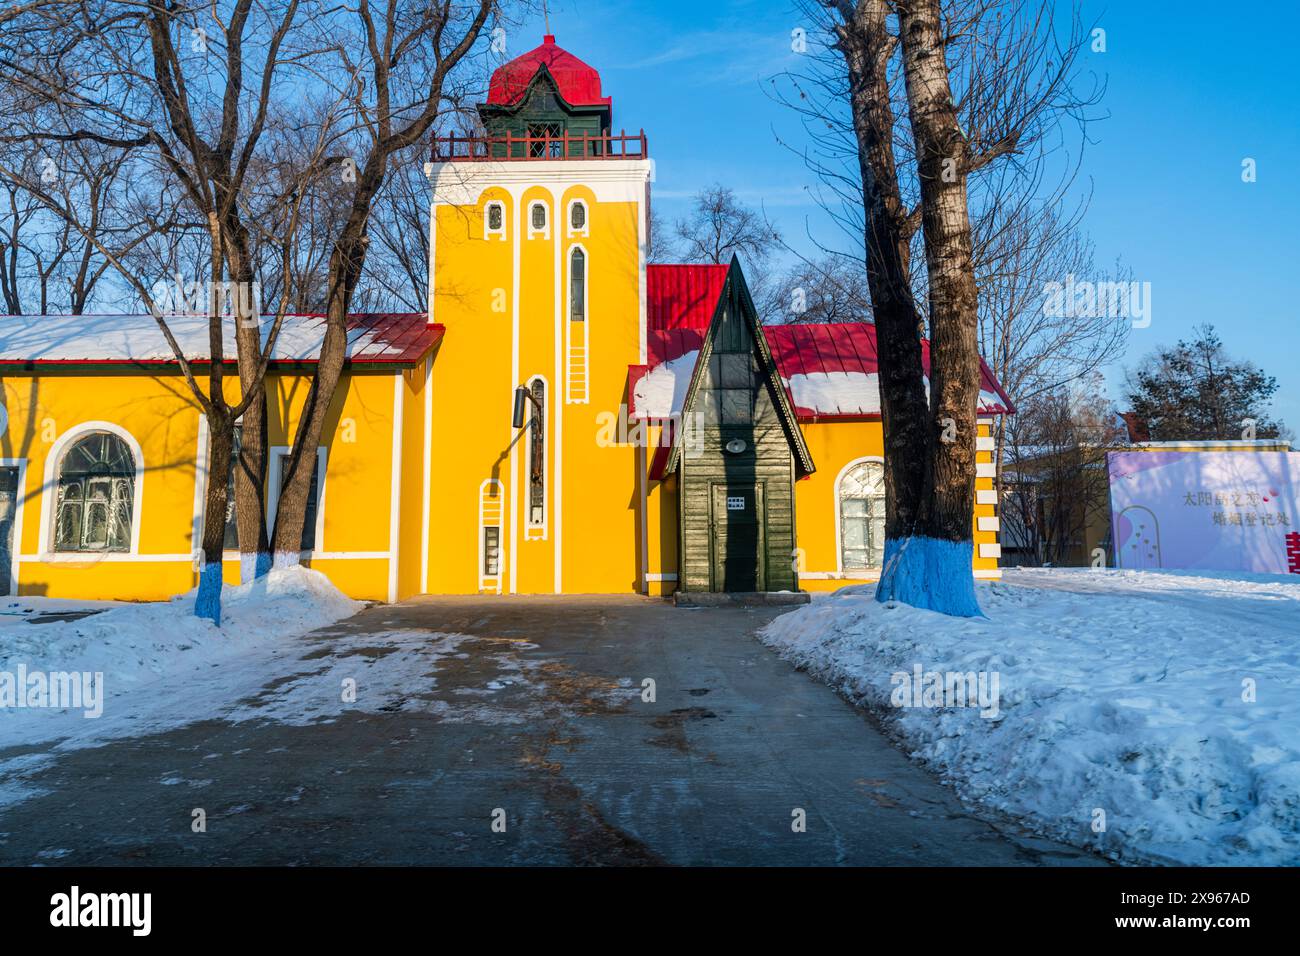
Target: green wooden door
x,y
736,536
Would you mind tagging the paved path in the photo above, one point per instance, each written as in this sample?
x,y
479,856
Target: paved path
x,y
538,713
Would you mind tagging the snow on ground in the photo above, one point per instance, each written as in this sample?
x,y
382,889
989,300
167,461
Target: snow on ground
x,y
164,669
161,666
135,644
1123,693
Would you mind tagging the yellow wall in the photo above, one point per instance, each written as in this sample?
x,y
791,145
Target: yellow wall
x,y
163,424
504,302
834,446
603,541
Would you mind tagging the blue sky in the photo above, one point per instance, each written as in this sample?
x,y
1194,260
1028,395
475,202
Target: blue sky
x,y
1191,92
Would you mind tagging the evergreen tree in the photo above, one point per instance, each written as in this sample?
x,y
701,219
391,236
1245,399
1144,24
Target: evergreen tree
x,y
1195,391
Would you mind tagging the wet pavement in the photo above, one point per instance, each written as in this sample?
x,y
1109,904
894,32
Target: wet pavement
x,y
514,730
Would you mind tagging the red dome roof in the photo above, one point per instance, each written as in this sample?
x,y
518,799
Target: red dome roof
x,y
579,84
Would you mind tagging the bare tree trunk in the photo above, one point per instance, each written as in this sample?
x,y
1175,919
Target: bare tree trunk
x,y
867,46
348,254
220,435
346,261
221,426
250,469
937,574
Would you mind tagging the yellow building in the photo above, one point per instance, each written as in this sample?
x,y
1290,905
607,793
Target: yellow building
x,y
565,419
102,455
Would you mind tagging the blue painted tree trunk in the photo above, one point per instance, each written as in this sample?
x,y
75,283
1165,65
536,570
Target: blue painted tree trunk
x,y
254,566
929,573
207,604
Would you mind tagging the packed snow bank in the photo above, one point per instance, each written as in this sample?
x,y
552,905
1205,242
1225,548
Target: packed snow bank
x,y
1150,715
136,645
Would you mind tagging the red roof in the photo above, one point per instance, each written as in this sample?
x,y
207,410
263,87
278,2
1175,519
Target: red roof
x,y
849,349
683,296
578,83
828,370
403,338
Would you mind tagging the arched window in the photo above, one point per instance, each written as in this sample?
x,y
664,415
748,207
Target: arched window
x,y
96,493
496,218
539,216
578,286
537,458
862,516
578,216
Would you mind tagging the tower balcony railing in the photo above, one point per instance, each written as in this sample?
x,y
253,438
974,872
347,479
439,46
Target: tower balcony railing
x,y
485,149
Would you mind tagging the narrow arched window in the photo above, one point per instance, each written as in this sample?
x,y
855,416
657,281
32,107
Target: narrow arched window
x,y
96,495
539,216
578,216
578,286
537,458
496,217
862,516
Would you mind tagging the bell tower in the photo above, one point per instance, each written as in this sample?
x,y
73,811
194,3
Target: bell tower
x,y
550,100
537,257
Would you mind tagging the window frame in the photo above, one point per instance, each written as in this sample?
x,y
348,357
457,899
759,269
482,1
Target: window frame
x,y
46,547
537,530
586,284
578,231
274,479
553,134
840,479
544,231
488,231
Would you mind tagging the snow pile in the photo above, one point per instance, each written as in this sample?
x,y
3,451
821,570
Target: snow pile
x,y
1153,716
135,645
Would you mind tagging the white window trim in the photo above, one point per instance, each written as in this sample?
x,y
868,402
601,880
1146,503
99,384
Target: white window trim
x,y
545,231
481,572
538,532
50,491
273,468
585,231
20,497
489,232
568,322
586,283
839,527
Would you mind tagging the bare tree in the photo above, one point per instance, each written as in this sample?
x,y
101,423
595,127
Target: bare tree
x,y
1056,485
397,269
719,226
983,85
183,99
831,288
863,39
398,63
47,264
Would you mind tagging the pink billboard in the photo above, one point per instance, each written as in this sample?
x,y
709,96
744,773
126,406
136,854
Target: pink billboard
x,y
1212,511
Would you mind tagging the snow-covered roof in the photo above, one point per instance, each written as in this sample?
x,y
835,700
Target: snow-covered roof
x,y
830,371
35,340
